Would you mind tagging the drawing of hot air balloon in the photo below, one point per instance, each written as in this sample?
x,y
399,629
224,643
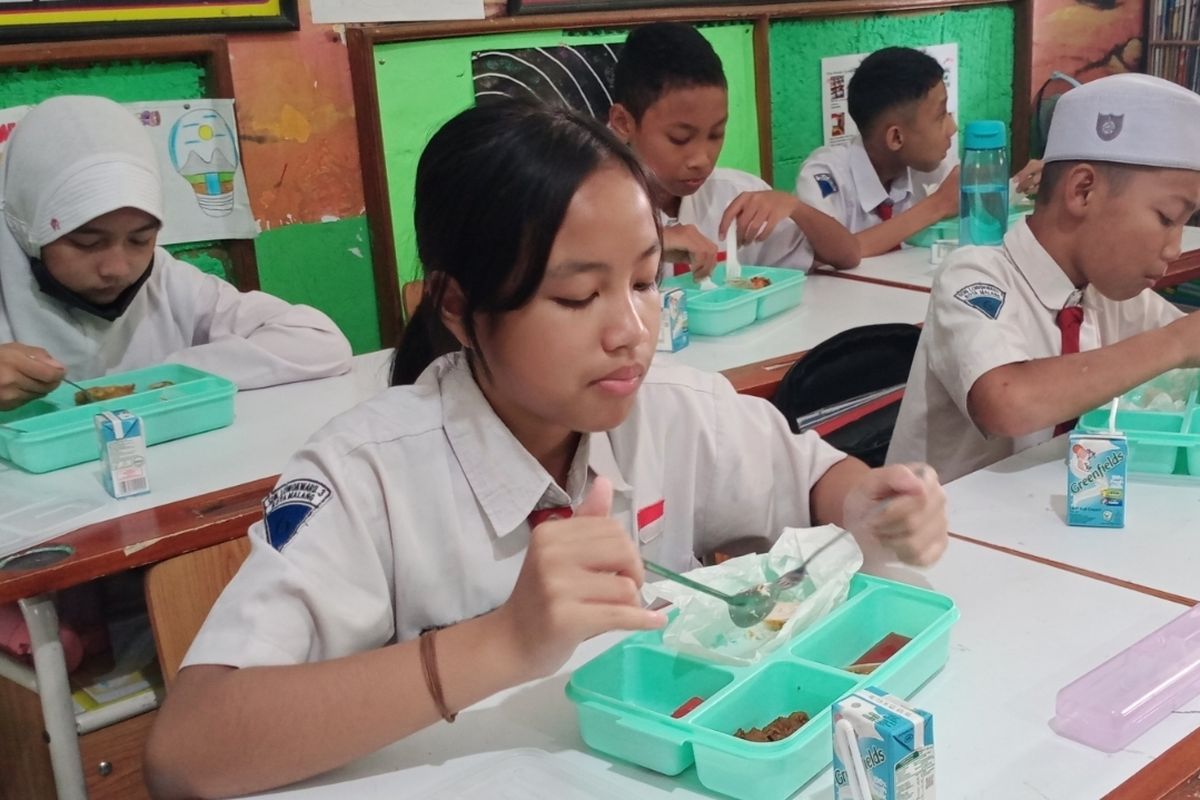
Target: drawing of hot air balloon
x,y
203,150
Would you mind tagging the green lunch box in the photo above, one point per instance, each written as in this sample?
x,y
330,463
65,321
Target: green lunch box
x,y
52,432
719,311
625,697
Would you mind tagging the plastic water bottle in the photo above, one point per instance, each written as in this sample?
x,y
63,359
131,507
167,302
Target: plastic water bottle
x,y
983,180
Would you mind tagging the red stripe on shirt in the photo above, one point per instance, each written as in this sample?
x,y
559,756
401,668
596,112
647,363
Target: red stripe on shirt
x,y
651,513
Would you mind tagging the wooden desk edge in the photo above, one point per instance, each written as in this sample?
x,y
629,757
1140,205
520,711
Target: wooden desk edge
x,y
142,538
1181,270
1087,573
850,276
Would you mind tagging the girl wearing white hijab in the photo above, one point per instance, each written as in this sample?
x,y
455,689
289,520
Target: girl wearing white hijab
x,y
85,292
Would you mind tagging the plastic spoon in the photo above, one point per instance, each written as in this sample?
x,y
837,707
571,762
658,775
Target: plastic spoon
x,y
742,610
760,600
733,267
86,392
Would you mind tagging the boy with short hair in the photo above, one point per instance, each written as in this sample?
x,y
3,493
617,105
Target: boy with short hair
x,y
1023,338
670,104
877,184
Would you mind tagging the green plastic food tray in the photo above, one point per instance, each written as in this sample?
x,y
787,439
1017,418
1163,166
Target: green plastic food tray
x,y
719,311
1160,442
53,432
626,695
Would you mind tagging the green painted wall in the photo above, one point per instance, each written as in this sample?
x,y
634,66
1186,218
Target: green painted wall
x,y
125,82
422,84
326,265
985,51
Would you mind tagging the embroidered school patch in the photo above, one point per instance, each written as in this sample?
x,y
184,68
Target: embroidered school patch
x,y
1108,126
825,183
288,506
983,297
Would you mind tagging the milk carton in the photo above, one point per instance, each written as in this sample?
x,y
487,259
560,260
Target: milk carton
x,y
882,748
123,453
673,326
1096,467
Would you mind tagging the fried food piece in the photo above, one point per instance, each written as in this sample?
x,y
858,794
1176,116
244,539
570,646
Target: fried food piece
x,y
97,393
776,730
780,614
759,282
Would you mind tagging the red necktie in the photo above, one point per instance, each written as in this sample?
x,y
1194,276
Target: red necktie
x,y
884,212
542,514
1069,321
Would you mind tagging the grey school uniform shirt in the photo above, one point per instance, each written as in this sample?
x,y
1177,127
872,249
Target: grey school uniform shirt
x,y
410,511
993,306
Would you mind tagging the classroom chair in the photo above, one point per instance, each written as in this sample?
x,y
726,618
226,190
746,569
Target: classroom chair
x,y
179,593
859,374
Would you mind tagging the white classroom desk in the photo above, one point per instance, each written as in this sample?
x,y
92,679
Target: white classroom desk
x,y
911,266
1020,503
269,426
828,306
1026,630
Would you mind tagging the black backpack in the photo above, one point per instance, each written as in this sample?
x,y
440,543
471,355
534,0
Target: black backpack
x,y
853,363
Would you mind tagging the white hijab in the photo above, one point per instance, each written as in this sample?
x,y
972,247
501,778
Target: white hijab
x,y
68,161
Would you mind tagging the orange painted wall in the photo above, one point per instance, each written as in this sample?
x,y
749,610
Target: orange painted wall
x,y
296,118
1086,39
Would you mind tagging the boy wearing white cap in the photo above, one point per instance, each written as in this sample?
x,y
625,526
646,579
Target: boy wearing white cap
x,y
1021,339
85,292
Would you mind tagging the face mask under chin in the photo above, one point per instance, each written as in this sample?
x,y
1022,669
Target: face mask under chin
x,y
51,287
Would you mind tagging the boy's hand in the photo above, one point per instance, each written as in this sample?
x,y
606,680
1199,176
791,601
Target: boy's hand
x,y
945,197
1029,178
903,507
1186,331
26,373
687,243
757,214
580,578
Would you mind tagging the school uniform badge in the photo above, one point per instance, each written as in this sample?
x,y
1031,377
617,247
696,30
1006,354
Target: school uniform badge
x,y
825,183
287,507
983,297
1108,126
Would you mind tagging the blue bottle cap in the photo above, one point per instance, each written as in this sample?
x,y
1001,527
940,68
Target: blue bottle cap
x,y
985,134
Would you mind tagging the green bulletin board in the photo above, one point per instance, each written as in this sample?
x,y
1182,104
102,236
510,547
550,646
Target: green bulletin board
x,y
985,71
424,83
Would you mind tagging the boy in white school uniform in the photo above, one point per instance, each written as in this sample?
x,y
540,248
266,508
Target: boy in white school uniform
x,y
1021,339
897,176
85,292
671,104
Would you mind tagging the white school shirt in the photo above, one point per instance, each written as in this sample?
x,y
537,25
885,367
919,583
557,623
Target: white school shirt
x,y
180,315
993,306
840,180
787,245
410,511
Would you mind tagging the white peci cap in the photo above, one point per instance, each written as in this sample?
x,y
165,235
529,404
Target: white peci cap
x,y
1127,119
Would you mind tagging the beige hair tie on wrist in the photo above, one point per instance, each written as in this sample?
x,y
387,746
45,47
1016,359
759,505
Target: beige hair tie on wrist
x,y
432,679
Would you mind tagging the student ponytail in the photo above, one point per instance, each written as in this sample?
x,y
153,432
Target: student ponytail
x,y
493,186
